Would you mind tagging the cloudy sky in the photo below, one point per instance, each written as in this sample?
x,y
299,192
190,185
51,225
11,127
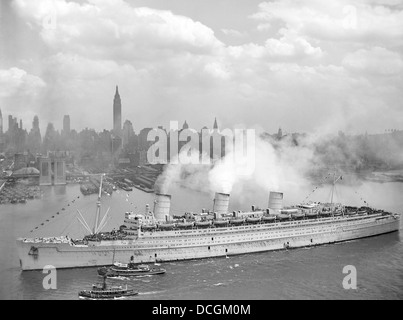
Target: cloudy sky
x,y
303,65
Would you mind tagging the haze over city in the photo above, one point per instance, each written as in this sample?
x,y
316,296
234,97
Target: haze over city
x,y
306,66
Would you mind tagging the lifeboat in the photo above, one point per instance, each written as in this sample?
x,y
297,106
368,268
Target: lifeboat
x,y
283,217
268,218
220,223
298,215
148,227
253,219
203,224
311,215
326,213
237,221
185,224
167,225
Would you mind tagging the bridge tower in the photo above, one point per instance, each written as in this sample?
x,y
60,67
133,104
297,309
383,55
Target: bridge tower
x,y
52,169
45,169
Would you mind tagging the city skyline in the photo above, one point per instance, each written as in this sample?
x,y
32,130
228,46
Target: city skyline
x,y
314,67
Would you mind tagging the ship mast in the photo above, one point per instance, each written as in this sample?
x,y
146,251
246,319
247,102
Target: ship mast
x,y
98,226
334,186
98,206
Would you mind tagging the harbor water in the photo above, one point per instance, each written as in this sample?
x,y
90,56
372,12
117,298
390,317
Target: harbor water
x,y
306,273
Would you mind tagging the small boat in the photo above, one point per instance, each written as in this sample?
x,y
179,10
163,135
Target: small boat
x,y
102,291
149,227
206,223
268,218
185,224
282,216
129,270
298,215
237,221
326,213
311,215
253,219
220,222
166,225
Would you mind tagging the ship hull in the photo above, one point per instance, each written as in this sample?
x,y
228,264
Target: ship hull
x,y
153,247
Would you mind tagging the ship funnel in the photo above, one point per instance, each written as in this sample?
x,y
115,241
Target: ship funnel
x,y
221,203
276,200
162,205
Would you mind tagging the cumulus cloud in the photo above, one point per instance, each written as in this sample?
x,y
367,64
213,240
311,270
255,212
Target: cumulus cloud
x,y
342,20
15,81
314,60
20,93
377,60
108,28
233,33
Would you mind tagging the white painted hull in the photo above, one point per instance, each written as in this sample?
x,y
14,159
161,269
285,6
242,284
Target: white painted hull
x,y
206,243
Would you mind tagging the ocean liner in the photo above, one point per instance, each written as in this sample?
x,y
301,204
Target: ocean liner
x,y
156,236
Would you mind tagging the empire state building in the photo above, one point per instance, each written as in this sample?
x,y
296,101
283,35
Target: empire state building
x,y
117,114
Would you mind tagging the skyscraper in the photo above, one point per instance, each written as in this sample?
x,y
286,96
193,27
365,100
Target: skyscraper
x,y
215,126
12,124
66,125
117,114
127,132
35,124
34,136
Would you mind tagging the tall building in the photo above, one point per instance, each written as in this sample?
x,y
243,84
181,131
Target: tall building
x,y
66,124
117,114
12,124
1,123
279,133
35,123
34,136
215,126
127,132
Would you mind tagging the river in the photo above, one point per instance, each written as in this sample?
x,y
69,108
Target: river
x,y
311,273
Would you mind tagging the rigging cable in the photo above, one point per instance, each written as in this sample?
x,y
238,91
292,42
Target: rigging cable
x,y
317,186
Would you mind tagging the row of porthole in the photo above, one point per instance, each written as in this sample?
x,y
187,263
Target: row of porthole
x,y
226,239
231,236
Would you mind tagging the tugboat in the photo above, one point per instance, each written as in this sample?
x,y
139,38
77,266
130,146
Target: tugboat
x,y
129,270
102,292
